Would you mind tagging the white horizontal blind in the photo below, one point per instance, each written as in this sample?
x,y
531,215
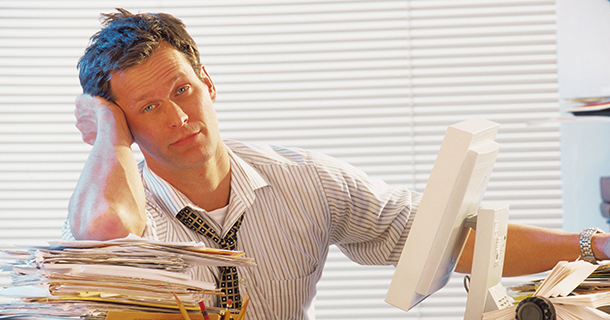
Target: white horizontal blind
x,y
495,60
374,83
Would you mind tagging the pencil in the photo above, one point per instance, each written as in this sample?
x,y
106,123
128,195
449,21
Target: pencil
x,y
204,311
242,312
185,314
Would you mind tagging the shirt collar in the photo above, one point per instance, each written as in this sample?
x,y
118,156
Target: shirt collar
x,y
245,180
163,193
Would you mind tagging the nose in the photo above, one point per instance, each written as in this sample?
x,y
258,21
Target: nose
x,y
176,116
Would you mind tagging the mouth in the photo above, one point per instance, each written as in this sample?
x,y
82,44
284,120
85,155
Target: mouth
x,y
184,140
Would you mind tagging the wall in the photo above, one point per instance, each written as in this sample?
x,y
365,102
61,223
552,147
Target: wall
x,y
583,43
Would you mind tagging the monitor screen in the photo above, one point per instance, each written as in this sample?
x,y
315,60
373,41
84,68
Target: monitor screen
x,y
453,193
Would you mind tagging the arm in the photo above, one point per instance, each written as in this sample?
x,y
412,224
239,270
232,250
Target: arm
x,y
533,249
108,201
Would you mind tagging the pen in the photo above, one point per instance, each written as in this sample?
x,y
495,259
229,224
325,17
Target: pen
x,y
204,311
185,314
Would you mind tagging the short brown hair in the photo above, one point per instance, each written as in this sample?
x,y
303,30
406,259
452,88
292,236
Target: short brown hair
x,y
126,40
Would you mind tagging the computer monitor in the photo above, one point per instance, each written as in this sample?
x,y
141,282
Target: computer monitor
x,y
453,193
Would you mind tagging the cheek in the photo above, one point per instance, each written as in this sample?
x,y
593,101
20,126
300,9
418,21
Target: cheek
x,y
146,137
208,114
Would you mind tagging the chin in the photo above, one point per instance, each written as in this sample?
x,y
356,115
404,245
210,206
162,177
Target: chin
x,y
192,162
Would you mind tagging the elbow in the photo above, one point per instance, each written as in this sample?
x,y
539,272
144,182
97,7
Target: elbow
x,y
463,266
464,263
107,225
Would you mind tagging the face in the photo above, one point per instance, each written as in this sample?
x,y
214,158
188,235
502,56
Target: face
x,y
169,110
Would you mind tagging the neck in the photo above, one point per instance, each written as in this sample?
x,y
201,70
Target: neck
x,y
208,186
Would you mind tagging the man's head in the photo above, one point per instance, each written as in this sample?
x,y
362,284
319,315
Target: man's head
x,y
125,41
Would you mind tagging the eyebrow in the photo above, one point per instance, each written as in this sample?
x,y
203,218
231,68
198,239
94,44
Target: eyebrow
x,y
145,96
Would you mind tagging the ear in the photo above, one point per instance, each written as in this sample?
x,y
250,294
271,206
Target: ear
x,y
207,80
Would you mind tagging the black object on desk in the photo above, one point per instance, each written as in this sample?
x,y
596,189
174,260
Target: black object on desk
x,y
535,308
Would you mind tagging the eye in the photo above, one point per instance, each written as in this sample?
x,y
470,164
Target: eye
x,y
148,108
182,90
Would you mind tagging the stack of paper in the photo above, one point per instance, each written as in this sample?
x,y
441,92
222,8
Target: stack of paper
x,y
573,295
77,278
590,106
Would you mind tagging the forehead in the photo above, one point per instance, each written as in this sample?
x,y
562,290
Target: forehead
x,y
162,68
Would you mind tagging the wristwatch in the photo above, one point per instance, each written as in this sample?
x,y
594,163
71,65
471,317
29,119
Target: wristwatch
x,y
586,251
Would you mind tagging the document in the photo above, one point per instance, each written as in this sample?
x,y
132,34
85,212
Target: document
x,y
92,278
570,289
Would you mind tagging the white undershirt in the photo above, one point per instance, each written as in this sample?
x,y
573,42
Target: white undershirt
x,y
219,214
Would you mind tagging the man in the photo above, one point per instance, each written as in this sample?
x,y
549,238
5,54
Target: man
x,y
143,83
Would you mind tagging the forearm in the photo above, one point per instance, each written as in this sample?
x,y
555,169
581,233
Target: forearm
x,y
531,250
108,201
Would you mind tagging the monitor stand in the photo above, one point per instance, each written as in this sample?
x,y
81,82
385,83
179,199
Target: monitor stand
x,y
485,292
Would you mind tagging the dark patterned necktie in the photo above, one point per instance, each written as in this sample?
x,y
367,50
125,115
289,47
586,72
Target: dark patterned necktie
x,y
229,281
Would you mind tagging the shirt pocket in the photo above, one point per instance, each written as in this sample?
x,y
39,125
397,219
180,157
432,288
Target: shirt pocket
x,y
291,298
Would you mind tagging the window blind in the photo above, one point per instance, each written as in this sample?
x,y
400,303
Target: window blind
x,y
374,83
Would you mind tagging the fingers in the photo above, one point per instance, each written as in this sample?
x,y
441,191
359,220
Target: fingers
x,y
97,117
87,110
86,121
605,244
87,134
90,103
82,99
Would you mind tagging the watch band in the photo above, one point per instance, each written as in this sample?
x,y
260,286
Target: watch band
x,y
586,251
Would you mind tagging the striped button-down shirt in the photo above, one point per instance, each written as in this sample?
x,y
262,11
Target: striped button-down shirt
x,y
296,204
